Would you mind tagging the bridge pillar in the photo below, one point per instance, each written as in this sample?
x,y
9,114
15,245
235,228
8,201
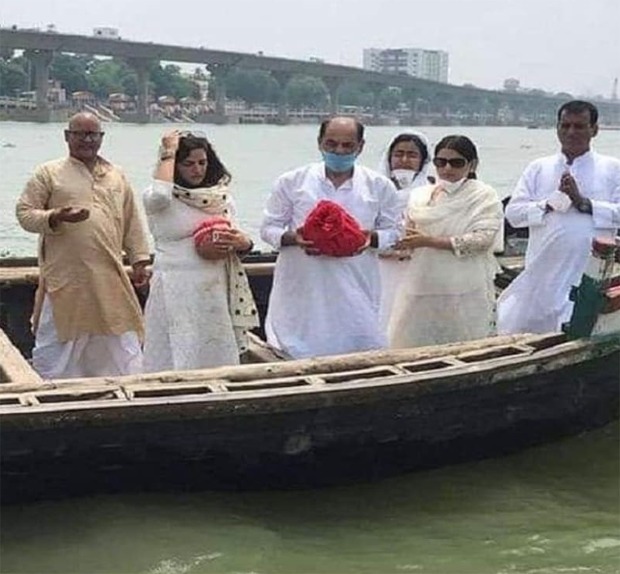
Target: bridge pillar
x,y
422,109
41,60
220,99
283,78
376,90
443,103
411,97
522,112
141,67
219,74
333,87
494,109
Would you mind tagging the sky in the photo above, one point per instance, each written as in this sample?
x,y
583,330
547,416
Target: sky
x,y
554,45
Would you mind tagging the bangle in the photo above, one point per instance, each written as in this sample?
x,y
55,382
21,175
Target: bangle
x,y
165,156
247,249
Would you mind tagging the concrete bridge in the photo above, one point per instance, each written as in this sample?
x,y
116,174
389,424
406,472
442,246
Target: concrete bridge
x,y
425,98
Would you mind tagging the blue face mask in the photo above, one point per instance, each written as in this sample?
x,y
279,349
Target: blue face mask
x,y
339,163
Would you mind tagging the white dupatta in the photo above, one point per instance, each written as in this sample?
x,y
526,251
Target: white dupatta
x,y
216,201
441,297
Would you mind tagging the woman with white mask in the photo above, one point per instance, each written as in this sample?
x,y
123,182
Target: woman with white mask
x,y
446,293
406,161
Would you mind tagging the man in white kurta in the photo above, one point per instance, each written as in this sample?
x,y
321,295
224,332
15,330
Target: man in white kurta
x,y
566,200
321,305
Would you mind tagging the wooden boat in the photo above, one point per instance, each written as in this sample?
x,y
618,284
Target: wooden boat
x,y
277,423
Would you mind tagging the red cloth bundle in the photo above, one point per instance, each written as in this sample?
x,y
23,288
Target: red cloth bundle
x,y
333,231
204,231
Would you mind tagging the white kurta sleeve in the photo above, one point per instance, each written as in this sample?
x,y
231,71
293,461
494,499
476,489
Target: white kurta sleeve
x,y
277,215
157,196
389,224
606,214
524,209
473,243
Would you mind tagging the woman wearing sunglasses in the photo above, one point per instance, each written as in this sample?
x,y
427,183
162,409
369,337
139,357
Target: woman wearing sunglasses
x,y
200,306
446,291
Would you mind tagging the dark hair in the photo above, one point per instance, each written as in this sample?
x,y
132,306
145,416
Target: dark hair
x,y
416,140
462,145
578,107
359,126
216,171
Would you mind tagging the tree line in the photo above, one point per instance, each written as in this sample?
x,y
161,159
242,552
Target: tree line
x,y
103,77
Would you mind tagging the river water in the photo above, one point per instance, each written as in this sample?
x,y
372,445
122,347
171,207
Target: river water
x,y
553,509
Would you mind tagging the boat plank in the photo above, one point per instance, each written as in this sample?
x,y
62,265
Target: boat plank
x,y
487,372
521,374
304,367
14,368
301,367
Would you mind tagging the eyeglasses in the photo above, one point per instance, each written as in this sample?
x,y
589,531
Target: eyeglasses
x,y
85,135
456,162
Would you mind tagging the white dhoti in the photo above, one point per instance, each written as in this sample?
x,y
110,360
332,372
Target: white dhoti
x,y
86,356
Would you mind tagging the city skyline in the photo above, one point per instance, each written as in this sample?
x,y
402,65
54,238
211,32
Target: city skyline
x,y
549,47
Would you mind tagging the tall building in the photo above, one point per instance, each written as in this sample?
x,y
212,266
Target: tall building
x,y
427,64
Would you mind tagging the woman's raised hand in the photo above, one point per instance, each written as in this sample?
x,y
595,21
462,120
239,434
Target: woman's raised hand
x,y
170,141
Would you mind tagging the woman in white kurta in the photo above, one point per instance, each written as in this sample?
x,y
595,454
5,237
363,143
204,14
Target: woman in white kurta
x,y
447,291
406,161
199,306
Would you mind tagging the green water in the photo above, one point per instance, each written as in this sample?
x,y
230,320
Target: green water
x,y
551,509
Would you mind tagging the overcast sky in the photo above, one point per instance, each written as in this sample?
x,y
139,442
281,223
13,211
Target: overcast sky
x,y
555,45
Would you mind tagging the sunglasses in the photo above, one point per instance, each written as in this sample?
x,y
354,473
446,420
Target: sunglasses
x,y
457,162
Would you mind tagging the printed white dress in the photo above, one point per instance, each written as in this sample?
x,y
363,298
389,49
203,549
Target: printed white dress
x,y
198,310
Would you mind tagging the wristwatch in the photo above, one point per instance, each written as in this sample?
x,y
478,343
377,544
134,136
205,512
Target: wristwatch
x,y
584,206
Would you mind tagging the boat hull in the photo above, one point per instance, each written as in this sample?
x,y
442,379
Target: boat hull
x,y
329,429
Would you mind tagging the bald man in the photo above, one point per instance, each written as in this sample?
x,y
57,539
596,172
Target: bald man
x,y
87,319
319,304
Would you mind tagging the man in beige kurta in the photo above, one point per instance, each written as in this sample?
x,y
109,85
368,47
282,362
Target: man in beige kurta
x,y
88,321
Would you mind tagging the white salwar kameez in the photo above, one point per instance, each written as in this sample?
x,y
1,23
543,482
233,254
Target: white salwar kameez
x,y
188,323
392,263
322,305
537,301
447,296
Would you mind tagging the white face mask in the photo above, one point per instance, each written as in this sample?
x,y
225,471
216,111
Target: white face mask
x,y
403,177
451,186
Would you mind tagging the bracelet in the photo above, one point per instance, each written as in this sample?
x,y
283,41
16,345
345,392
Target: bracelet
x,y
166,153
248,249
